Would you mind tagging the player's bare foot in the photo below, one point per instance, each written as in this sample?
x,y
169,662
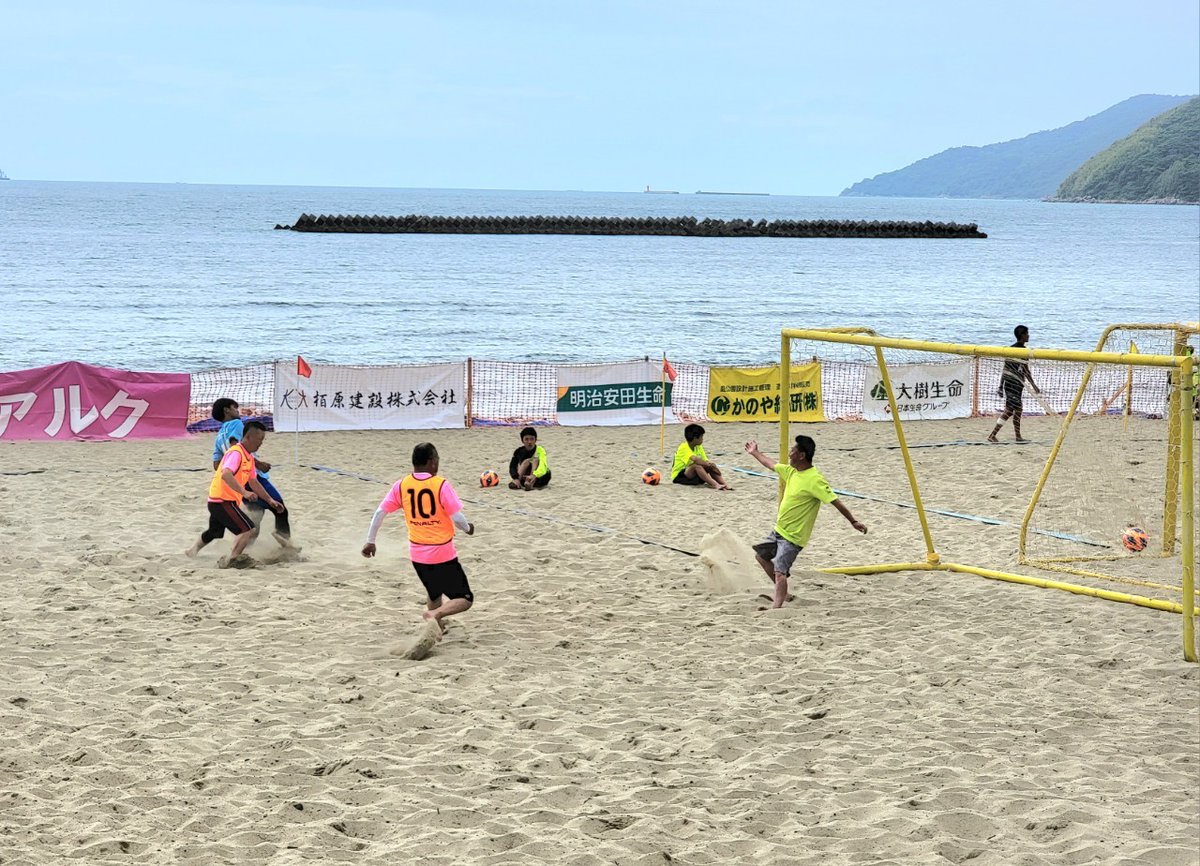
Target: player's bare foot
x,y
1020,441
766,597
285,541
430,617
512,485
191,552
993,440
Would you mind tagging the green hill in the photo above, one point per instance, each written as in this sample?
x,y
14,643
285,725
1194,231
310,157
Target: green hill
x,y
1159,162
1029,167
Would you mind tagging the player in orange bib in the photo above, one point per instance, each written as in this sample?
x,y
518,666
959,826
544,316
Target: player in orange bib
x,y
235,479
432,510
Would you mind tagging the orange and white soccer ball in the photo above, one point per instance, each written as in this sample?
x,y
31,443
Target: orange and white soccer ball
x,y
489,479
651,476
1135,539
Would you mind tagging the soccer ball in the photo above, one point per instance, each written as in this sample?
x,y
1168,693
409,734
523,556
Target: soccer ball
x,y
651,476
1135,538
489,479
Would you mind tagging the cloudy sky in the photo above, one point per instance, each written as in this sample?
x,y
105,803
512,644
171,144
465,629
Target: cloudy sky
x,y
787,97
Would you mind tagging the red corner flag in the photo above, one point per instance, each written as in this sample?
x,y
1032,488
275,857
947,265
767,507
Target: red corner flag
x,y
302,368
668,369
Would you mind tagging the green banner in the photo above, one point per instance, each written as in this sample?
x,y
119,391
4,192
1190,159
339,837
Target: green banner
x,y
626,395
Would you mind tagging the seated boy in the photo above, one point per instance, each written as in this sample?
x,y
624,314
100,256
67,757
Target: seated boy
x,y
692,465
528,468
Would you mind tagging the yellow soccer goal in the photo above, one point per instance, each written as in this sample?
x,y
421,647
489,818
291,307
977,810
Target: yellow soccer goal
x,y
1118,423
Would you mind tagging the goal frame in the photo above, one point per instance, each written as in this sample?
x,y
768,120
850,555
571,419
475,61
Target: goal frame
x,y
1181,365
1180,332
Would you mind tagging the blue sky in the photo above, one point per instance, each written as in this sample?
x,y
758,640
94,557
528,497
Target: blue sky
x,y
786,97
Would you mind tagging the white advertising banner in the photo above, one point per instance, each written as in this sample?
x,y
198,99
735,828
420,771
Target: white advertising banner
x,y
923,391
334,397
608,395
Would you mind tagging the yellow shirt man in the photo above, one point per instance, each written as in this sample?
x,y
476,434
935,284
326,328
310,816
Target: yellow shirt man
x,y
804,491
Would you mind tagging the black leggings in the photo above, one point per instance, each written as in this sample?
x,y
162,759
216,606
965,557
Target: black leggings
x,y
282,522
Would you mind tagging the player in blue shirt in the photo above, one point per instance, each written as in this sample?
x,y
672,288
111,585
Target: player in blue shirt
x,y
232,430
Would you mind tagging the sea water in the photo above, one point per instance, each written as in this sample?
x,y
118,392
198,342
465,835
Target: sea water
x,y
180,277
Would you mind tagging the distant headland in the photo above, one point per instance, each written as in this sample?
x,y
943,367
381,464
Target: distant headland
x,y
1158,164
1032,167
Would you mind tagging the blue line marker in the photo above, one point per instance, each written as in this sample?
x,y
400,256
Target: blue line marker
x,y
990,521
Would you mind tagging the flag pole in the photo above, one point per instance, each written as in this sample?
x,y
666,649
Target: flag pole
x,y
301,367
296,425
662,424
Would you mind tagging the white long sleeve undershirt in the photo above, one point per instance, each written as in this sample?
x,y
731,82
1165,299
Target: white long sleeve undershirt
x,y
459,518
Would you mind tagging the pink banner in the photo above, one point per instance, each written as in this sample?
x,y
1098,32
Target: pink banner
x,y
79,401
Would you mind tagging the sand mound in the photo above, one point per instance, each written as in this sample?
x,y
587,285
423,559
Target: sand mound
x,y
729,564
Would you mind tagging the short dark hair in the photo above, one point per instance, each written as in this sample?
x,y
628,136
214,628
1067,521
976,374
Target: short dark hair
x,y
1018,330
221,405
254,425
692,431
423,454
528,431
807,446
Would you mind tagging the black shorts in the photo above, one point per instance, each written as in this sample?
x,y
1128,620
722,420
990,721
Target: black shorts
x,y
682,478
444,578
226,515
541,480
1012,397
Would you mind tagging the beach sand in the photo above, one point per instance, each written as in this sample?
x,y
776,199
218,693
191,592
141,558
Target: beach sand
x,y
607,700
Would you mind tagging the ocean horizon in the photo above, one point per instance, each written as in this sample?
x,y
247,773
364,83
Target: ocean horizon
x,y
183,276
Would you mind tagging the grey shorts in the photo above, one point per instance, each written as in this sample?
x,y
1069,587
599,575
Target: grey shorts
x,y
780,552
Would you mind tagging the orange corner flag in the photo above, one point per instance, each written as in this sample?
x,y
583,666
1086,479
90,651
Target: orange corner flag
x,y
302,368
668,369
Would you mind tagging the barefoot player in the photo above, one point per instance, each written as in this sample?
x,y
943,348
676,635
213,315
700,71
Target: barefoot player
x,y
234,481
805,490
432,510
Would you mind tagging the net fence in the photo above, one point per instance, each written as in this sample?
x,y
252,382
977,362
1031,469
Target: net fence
x,y
519,393
253,387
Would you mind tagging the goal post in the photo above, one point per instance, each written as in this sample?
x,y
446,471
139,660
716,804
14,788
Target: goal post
x,y
1180,473
1176,334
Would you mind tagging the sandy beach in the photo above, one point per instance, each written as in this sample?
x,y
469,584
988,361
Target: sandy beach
x,y
605,701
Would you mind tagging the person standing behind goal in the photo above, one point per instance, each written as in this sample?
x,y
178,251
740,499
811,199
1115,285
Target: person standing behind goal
x,y
1012,384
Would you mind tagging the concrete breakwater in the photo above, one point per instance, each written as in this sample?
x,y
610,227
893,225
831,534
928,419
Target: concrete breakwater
x,y
682,226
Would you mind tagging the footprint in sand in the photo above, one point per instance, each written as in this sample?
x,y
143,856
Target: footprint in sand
x,y
242,560
284,554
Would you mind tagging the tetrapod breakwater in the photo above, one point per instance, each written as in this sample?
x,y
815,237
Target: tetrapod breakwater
x,y
678,226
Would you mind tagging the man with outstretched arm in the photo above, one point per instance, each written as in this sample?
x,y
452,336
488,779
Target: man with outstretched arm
x,y
804,491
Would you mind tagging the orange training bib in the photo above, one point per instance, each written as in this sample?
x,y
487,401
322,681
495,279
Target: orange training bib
x,y
428,522
220,490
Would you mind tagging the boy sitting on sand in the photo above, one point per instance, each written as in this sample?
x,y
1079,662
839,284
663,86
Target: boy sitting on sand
x,y
431,510
803,494
528,468
692,465
235,480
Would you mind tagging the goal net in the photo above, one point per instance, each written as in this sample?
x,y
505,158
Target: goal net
x,y
1091,474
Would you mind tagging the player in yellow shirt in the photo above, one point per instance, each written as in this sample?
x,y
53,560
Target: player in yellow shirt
x,y
805,490
692,466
